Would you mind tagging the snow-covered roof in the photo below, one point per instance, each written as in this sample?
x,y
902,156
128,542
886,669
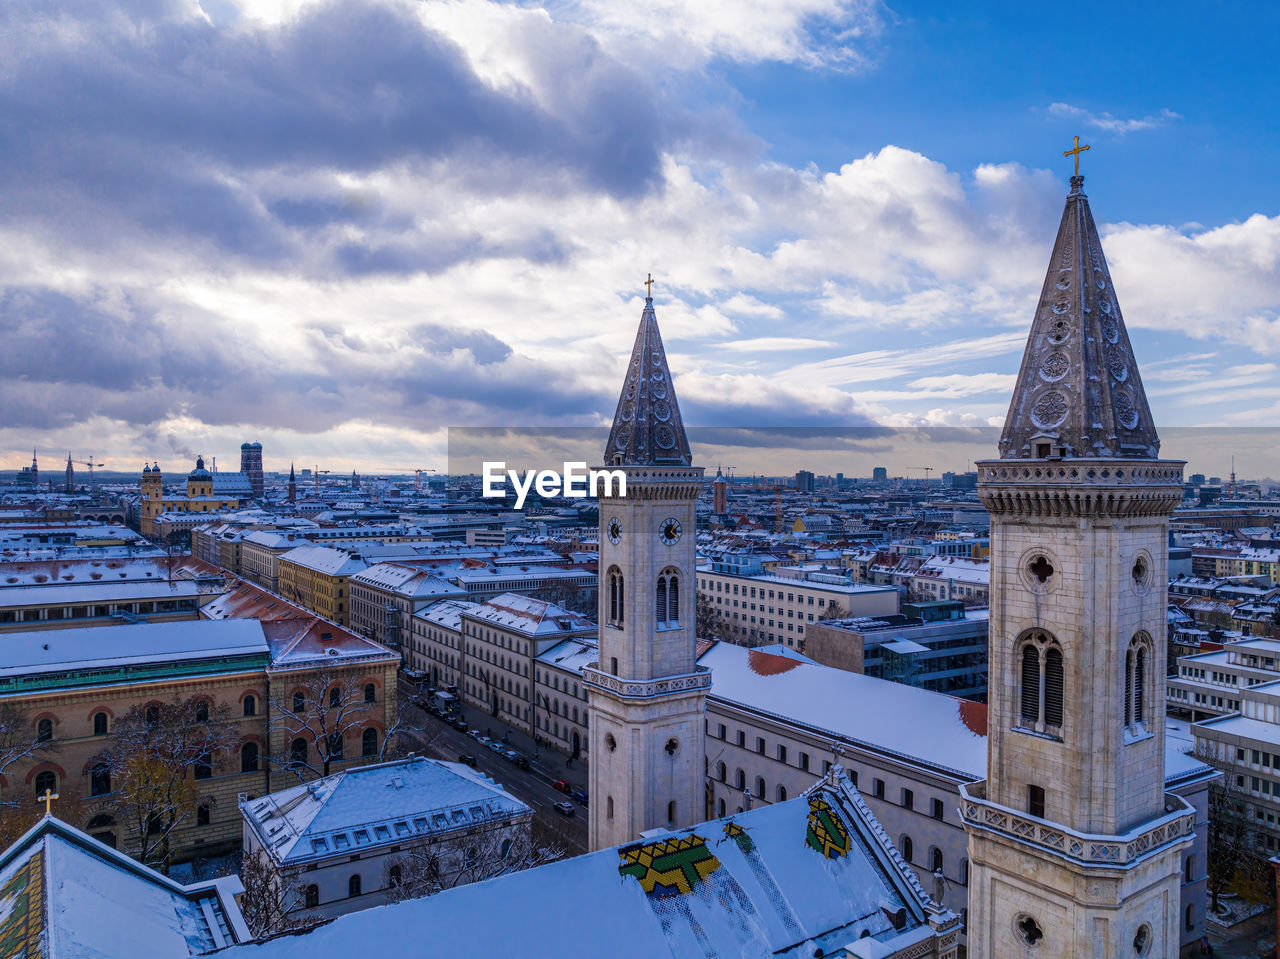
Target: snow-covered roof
x,y
792,878
69,594
67,896
447,613
571,654
33,652
410,581
372,806
533,617
325,559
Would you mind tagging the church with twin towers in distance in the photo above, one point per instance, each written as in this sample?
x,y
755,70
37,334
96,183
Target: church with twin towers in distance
x,y
1076,848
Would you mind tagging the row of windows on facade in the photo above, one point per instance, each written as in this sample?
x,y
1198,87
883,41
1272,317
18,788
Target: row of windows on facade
x,y
666,597
47,613
1041,679
395,876
721,587
101,722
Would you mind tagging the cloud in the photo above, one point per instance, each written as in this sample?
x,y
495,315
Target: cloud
x,y
772,343
1105,121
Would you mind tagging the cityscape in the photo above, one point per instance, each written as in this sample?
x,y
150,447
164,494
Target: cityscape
x,y
648,522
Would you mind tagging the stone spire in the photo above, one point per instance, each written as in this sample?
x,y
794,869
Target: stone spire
x,y
647,429
1078,392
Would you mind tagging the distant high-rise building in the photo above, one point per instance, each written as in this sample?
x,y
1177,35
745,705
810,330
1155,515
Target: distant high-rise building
x,y
879,474
71,474
251,466
839,479
804,481
1196,479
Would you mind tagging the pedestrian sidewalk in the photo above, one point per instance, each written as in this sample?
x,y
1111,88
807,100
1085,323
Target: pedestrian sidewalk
x,y
1255,938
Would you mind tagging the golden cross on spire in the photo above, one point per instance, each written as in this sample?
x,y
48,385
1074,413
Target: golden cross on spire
x,y
1076,151
648,286
48,798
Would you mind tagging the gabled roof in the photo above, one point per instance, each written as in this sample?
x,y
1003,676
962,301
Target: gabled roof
x,y
1079,381
67,896
533,617
372,806
647,429
791,878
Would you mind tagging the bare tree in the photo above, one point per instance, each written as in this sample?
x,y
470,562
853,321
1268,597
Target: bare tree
x,y
267,903
1233,842
317,713
21,740
709,622
158,755
430,867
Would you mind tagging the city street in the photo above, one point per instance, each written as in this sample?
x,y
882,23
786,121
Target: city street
x,y
430,736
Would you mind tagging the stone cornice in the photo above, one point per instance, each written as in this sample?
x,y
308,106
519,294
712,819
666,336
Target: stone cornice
x,y
698,680
1080,487
1177,825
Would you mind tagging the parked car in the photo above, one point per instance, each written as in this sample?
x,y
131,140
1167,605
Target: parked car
x,y
522,762
477,735
497,745
458,723
511,755
578,796
561,785
564,808
467,760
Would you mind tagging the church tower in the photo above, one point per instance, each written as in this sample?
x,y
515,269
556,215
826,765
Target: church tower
x,y
1075,848
293,485
647,694
71,474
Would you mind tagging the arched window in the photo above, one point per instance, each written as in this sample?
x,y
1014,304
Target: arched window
x,y
202,814
908,849
298,751
782,794
667,597
202,768
935,859
299,701
99,724
353,886
46,781
721,808
608,808
1041,692
44,731
1188,869
335,697
740,780
202,711
615,596
369,742
336,745
313,896
249,758
99,780
722,771
760,788
505,851
671,813
250,706
1136,670
370,693
964,871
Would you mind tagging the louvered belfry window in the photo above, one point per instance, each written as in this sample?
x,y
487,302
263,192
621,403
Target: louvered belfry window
x,y
1053,687
1030,685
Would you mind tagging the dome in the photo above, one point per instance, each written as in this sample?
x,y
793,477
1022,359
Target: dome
x,y
146,467
200,473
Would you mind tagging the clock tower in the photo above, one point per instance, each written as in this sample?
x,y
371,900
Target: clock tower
x,y
647,695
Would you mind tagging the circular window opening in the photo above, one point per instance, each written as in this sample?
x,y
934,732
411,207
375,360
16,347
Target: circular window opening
x,y
1140,571
672,747
609,742
1029,930
1142,940
1041,569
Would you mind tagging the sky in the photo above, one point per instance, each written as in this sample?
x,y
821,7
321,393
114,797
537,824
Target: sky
x,y
341,228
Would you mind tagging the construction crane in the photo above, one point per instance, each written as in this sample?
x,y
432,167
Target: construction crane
x,y
316,476
927,471
417,478
91,464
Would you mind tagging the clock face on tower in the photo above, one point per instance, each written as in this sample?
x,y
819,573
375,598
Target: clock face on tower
x,y
670,531
615,530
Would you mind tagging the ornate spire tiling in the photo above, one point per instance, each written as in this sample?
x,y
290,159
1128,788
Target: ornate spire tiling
x,y
1078,391
647,429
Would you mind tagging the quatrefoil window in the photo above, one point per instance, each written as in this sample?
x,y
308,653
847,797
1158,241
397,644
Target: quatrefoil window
x,y
1041,569
672,747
